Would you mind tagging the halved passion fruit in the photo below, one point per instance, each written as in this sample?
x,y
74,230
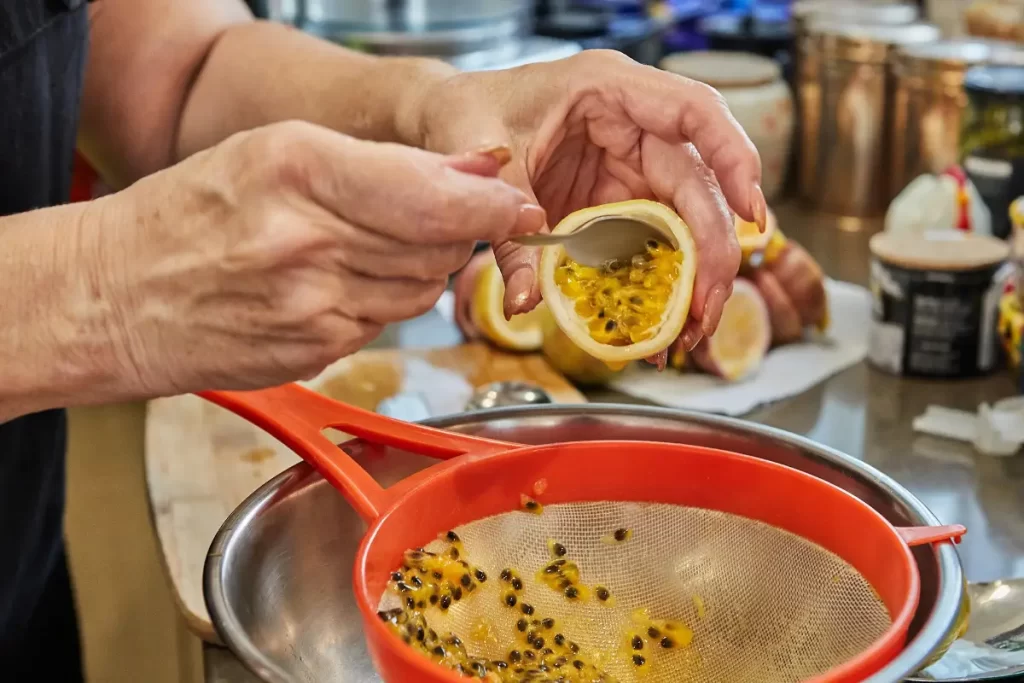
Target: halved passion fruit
x,y
743,336
524,332
623,311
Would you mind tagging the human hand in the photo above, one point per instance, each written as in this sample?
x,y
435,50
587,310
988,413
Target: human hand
x,y
266,258
598,128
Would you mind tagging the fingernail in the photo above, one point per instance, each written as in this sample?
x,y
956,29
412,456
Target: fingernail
x,y
517,291
759,208
690,339
713,309
500,153
531,219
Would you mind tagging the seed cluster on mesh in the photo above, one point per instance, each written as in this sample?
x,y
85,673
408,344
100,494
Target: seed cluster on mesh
x,y
621,302
541,649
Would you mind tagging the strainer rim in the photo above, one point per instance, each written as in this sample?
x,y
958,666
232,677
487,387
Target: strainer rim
x,y
885,647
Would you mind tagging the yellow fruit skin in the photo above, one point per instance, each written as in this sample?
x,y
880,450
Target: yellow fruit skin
x,y
485,299
775,246
572,361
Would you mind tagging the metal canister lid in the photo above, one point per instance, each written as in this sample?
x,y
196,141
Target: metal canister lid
x,y
953,53
852,11
947,60
866,42
870,11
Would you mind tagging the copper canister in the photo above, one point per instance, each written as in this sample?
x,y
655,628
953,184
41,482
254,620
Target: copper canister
x,y
807,63
845,114
928,105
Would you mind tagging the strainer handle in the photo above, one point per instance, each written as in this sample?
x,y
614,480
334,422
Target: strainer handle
x,y
297,416
927,535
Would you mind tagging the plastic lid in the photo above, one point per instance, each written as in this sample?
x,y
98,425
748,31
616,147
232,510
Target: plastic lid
x,y
723,69
941,250
1000,79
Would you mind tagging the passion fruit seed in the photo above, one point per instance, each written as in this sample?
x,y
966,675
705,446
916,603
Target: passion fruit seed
x,y
622,303
530,505
617,536
556,549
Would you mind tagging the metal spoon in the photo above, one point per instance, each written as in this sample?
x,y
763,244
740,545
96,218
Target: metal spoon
x,y
499,394
602,239
996,627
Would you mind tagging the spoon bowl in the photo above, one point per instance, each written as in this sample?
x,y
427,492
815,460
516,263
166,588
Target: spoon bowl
x,y
603,239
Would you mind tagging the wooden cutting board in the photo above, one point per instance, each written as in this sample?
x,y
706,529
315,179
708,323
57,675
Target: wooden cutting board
x,y
203,461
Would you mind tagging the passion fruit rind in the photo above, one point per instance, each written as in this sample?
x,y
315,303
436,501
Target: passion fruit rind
x,y
654,294
742,339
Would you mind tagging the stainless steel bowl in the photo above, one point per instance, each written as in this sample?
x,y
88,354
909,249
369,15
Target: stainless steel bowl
x,y
278,575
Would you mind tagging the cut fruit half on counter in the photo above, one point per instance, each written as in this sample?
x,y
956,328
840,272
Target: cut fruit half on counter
x,y
743,338
522,332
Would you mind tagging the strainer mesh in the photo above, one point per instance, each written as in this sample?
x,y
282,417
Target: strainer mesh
x,y
775,607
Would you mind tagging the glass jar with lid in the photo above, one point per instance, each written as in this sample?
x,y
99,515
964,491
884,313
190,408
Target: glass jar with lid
x,y
992,138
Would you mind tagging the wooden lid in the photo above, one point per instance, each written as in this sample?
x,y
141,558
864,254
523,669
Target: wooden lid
x,y
942,250
723,70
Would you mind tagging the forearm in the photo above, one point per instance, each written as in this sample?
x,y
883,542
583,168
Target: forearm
x,y
262,72
58,340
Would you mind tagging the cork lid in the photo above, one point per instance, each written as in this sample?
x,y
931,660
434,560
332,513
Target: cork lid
x,y
723,70
941,250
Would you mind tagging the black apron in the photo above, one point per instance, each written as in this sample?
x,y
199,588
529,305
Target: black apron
x,y
42,57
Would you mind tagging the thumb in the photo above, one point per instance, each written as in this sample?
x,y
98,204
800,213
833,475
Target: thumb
x,y
518,264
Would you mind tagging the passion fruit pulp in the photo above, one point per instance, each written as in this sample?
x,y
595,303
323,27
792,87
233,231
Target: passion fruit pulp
x,y
623,311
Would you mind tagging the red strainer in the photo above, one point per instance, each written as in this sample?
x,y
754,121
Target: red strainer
x,y
780,575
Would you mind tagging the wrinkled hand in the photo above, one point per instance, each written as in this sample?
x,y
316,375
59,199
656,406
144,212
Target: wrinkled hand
x,y
596,128
277,252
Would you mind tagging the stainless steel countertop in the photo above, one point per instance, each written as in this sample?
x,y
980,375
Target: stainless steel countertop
x,y
862,412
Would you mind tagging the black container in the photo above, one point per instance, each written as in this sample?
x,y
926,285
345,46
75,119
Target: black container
x,y
992,138
935,314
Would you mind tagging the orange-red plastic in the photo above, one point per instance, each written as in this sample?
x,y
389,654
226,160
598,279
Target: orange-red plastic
x,y
492,476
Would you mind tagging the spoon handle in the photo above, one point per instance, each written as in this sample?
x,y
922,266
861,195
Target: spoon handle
x,y
540,240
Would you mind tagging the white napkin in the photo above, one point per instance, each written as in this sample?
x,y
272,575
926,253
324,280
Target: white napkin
x,y
786,371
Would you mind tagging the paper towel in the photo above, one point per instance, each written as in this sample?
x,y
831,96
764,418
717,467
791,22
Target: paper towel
x,y
786,371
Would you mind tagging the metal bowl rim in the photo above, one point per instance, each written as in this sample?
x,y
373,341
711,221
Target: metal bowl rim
x,y
938,626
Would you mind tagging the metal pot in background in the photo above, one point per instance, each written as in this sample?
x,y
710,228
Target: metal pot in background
x,y
845,98
472,34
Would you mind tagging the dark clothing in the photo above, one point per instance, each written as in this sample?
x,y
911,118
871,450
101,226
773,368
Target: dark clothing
x,y
42,56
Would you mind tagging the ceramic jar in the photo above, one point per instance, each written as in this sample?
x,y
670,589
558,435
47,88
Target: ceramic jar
x,y
758,98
